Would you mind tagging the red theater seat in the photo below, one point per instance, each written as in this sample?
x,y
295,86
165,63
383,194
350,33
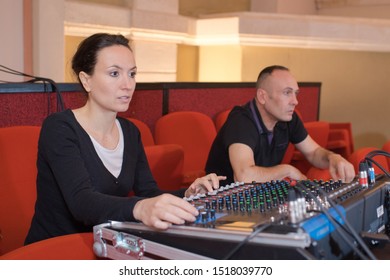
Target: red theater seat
x,y
315,173
361,153
386,148
195,132
146,133
340,139
165,161
319,131
221,118
289,154
78,246
18,172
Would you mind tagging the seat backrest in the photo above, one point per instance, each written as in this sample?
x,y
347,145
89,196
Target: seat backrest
x,y
77,246
319,131
288,155
165,161
194,131
315,173
146,134
18,172
386,148
221,118
361,153
348,127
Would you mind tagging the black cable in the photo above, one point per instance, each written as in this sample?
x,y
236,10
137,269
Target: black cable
x,y
370,155
245,241
378,165
48,97
331,219
60,102
377,152
351,230
11,71
338,222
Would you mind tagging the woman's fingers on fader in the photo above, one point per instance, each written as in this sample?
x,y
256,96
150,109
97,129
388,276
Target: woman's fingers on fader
x,y
180,212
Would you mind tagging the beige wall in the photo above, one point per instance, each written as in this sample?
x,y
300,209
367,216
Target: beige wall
x,y
108,2
303,7
355,85
220,63
187,63
11,55
194,8
376,9
48,38
71,43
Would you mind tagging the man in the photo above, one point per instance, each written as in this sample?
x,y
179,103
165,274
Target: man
x,y
251,144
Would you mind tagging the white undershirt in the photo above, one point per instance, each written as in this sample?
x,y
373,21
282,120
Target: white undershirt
x,y
112,159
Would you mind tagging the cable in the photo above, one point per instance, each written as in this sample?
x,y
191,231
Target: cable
x,y
244,241
351,230
374,153
331,219
60,102
377,152
378,165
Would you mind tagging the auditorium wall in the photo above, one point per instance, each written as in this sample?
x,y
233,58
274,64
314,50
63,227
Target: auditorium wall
x,y
354,83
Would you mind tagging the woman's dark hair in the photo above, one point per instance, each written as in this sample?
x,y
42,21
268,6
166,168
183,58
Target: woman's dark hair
x,y
86,55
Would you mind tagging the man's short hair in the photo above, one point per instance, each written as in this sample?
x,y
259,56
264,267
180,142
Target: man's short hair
x,y
268,71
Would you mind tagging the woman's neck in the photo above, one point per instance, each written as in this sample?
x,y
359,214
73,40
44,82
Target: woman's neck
x,y
101,126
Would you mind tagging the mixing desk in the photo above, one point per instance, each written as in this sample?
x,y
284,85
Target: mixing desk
x,y
269,220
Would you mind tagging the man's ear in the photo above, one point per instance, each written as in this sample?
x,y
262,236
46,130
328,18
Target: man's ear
x,y
84,79
260,95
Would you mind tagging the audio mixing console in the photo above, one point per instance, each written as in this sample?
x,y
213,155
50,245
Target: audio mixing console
x,y
270,220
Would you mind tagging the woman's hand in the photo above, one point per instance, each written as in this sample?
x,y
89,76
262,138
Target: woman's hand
x,y
164,210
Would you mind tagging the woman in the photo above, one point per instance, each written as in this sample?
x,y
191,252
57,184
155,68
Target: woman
x,y
89,159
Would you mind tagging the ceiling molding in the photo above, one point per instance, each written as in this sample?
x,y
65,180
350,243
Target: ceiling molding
x,y
250,29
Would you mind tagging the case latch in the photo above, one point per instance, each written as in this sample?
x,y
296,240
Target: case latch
x,y
128,244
